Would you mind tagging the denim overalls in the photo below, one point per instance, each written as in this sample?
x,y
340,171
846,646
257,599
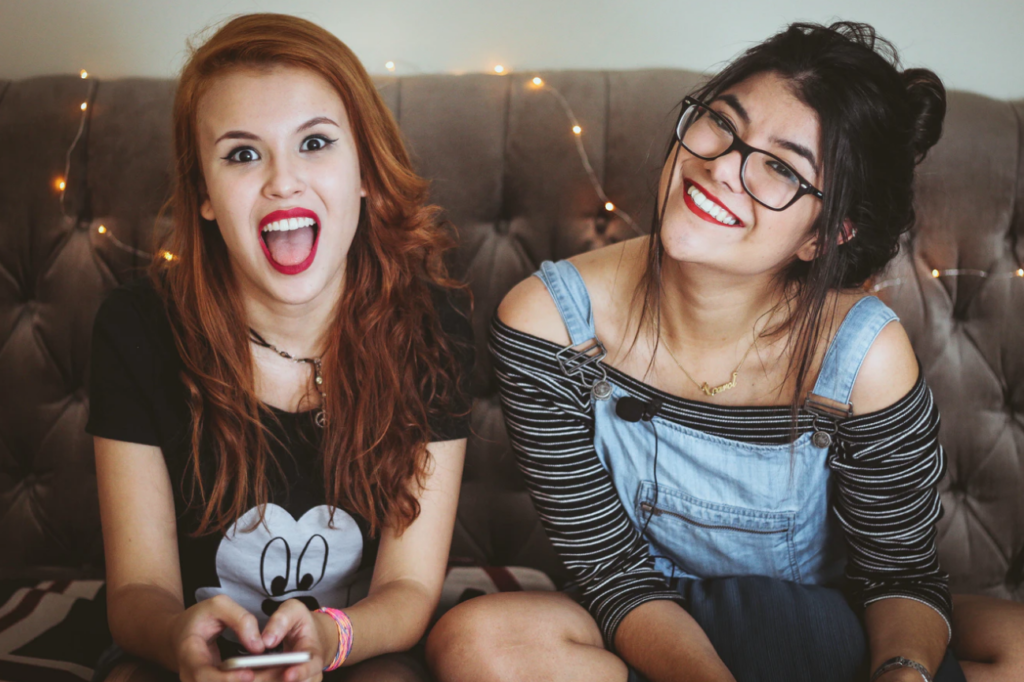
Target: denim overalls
x,y
722,507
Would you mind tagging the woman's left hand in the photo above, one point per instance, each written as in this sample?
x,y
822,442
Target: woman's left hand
x,y
299,629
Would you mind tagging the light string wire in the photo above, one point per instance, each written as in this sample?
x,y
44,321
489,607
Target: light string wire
x,y
950,272
538,84
62,182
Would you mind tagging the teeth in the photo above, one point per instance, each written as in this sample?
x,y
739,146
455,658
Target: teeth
x,y
288,224
710,207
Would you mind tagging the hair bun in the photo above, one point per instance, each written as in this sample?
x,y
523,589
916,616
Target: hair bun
x,y
927,98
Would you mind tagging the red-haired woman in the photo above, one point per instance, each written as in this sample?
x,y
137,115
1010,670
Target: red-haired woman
x,y
277,411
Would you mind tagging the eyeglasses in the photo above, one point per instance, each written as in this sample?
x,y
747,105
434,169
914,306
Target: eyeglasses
x,y
769,180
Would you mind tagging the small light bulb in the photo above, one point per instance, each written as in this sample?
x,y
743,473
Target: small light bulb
x,y
168,255
60,184
538,81
85,105
389,65
499,69
1020,272
577,130
102,229
935,273
83,73
609,206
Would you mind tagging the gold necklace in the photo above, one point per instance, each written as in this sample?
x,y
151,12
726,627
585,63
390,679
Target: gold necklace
x,y
713,390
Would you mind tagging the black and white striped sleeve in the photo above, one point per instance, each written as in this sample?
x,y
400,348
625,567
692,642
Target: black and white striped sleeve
x,y
887,469
551,428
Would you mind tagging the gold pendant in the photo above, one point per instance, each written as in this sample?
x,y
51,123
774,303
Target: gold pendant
x,y
718,389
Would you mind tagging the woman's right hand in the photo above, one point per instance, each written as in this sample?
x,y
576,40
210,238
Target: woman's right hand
x,y
194,636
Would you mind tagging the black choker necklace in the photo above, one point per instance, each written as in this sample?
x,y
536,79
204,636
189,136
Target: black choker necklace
x,y
320,418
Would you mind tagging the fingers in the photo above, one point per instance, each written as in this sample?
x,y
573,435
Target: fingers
x,y
270,674
293,625
196,662
291,618
311,670
246,627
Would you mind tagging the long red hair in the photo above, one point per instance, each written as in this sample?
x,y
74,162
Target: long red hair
x,y
388,367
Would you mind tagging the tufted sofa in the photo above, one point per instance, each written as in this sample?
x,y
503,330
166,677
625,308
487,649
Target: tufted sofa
x,y
503,163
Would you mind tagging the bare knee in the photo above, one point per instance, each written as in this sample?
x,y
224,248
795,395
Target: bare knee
x,y
464,644
519,636
988,637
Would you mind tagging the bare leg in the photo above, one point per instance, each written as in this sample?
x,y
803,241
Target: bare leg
x,y
521,636
988,638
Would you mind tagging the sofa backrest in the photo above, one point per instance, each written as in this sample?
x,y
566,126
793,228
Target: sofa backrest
x,y
503,163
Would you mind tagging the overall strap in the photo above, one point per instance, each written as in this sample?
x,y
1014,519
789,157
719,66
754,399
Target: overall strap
x,y
846,353
581,357
565,284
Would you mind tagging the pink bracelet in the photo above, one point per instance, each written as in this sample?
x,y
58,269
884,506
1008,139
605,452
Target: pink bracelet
x,y
344,635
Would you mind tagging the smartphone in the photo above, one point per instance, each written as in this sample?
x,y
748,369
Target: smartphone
x,y
265,660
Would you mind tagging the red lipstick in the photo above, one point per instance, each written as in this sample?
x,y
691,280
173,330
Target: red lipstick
x,y
282,215
699,212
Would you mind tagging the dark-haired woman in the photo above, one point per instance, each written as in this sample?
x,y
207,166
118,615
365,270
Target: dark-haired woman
x,y
276,411
728,443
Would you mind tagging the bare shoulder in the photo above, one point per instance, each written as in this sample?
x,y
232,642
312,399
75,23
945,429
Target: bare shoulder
x,y
529,308
888,373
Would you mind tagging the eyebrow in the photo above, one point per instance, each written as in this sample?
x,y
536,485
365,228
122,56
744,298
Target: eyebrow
x,y
803,151
798,149
243,135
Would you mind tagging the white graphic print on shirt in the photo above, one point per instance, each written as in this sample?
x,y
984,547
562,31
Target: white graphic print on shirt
x,y
284,559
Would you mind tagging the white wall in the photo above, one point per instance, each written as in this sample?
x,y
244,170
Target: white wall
x,y
972,45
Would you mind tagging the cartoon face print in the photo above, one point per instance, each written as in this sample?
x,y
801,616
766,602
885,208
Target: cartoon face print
x,y
284,559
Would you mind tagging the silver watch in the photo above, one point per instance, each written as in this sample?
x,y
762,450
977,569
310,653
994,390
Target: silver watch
x,y
900,662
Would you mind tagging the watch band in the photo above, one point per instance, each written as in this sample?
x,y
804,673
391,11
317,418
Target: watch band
x,y
900,662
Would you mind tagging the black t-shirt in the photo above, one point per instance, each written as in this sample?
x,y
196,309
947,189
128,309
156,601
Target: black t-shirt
x,y
136,395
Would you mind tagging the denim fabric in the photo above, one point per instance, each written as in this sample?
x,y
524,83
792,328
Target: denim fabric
x,y
767,630
722,507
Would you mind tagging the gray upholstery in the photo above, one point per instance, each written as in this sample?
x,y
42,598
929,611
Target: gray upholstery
x,y
502,162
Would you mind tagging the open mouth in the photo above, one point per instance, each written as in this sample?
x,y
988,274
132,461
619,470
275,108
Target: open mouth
x,y
289,239
700,202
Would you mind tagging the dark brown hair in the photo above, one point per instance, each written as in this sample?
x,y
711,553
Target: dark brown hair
x,y
388,367
877,123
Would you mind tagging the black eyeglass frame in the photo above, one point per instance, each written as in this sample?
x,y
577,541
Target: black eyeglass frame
x,y
745,151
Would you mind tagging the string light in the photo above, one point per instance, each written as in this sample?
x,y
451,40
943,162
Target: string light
x,y
499,69
168,256
389,65
102,229
577,130
951,273
61,182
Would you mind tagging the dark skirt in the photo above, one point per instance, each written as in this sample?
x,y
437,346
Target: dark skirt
x,y
768,630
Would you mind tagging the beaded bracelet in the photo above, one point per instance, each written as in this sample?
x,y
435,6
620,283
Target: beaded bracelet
x,y
344,636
